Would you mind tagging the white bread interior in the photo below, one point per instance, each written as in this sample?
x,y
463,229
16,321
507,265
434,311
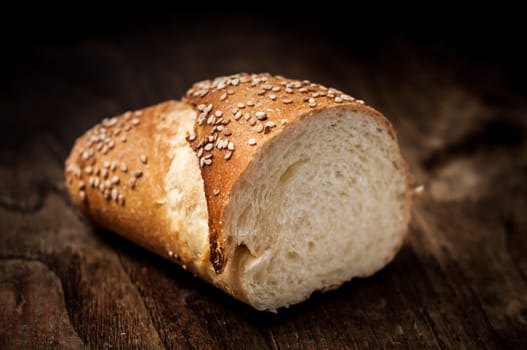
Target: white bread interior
x,y
323,202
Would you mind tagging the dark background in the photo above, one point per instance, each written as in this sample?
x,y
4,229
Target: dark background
x,y
451,79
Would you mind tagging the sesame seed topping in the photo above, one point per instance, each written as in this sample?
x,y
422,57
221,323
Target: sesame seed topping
x,y
114,194
227,132
127,115
208,147
123,139
88,170
228,155
191,137
252,122
338,99
223,97
247,116
82,185
250,103
115,179
143,158
113,166
82,195
200,152
124,168
289,90
261,92
104,173
241,105
132,183
261,115
201,107
287,101
138,113
120,199
259,128
276,88
138,173
218,113
230,92
238,115
272,97
251,142
216,191
230,146
135,121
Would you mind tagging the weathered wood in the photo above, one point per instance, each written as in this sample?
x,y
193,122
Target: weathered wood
x,y
460,281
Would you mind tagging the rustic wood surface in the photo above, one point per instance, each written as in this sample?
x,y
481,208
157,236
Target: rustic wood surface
x,y
459,282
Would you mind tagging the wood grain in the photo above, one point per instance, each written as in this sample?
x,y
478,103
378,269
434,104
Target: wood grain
x,y
460,281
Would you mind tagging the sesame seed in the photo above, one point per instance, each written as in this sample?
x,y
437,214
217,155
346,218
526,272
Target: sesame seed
x,y
313,105
115,179
207,161
132,183
261,115
143,158
251,142
208,147
82,185
96,182
230,92
202,162
135,121
113,166
311,100
261,92
338,99
82,195
238,115
120,199
191,137
124,168
216,191
200,152
289,90
259,128
272,97
303,90
247,116
360,102
228,155
250,103
138,173
267,87
114,194
276,88
104,173
123,139
223,97
201,107
127,115
227,132
230,146
235,82
284,121
106,194
240,105
218,113
138,113
88,170
106,164
211,120
234,111
252,122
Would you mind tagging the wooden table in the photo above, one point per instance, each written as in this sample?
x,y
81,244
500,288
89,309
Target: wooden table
x,y
460,280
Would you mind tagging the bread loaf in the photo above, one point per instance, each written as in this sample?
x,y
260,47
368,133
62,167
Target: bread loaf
x,y
268,188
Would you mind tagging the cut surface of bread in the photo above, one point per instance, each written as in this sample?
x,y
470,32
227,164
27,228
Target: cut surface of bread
x,y
320,204
267,187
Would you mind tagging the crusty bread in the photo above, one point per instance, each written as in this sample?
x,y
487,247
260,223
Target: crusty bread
x,y
267,187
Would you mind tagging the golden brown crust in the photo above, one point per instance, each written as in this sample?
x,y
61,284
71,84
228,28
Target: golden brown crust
x,y
247,111
116,171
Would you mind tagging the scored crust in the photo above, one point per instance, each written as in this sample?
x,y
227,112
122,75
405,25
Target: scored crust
x,y
247,111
